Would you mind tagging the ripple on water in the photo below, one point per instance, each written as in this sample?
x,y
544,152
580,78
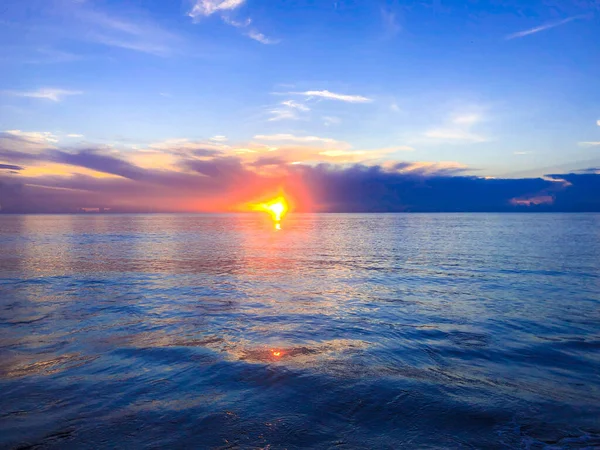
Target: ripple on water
x,y
341,331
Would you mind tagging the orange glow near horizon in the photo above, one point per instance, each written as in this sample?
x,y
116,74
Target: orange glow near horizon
x,y
276,208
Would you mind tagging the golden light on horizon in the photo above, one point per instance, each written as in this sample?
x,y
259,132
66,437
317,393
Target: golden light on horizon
x,y
276,208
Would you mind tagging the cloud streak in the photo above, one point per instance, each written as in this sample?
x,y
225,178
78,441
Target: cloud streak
x,y
293,138
260,37
545,27
10,167
56,95
208,7
143,36
458,129
334,96
288,110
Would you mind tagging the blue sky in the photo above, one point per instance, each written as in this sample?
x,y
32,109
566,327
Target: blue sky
x,y
501,88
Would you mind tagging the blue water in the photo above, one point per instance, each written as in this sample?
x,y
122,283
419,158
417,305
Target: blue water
x,y
371,331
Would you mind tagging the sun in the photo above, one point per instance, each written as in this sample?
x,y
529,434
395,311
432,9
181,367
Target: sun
x,y
276,208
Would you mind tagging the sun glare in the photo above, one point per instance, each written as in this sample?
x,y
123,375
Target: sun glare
x,y
276,208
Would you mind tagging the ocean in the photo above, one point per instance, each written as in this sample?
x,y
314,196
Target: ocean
x,y
341,331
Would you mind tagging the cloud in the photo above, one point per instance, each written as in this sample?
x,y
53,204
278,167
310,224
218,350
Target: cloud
x,y
218,139
236,23
428,168
56,95
260,37
288,110
295,105
466,119
10,167
589,144
75,135
96,160
390,22
533,200
209,7
534,30
52,56
453,135
374,189
521,153
394,107
333,96
188,148
205,8
331,120
282,114
457,129
139,34
292,138
156,49
24,146
367,157
598,123
403,148
38,137
220,179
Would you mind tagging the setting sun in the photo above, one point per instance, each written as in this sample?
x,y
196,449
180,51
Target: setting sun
x,y
276,208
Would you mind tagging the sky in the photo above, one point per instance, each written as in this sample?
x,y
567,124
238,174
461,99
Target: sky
x,y
363,105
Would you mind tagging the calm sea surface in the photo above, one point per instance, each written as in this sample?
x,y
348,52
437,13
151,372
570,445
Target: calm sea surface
x,y
372,331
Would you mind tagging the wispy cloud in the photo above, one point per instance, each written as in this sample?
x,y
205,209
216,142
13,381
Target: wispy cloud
x,y
278,114
331,120
46,55
547,26
56,95
36,137
589,144
466,119
74,135
457,130
296,105
138,46
209,7
258,36
390,22
521,153
237,23
287,110
598,123
10,167
140,36
334,96
205,8
293,138
218,139
453,134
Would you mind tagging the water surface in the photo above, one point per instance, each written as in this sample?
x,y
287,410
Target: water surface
x,y
340,331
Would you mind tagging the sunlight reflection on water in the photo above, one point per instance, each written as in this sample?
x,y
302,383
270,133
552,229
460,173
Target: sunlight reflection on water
x,y
374,331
